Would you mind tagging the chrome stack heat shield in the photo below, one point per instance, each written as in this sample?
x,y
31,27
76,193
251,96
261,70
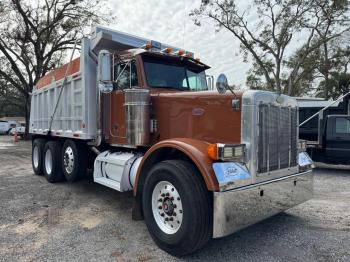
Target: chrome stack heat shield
x,y
137,116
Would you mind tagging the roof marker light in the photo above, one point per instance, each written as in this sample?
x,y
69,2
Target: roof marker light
x,y
180,52
147,46
167,50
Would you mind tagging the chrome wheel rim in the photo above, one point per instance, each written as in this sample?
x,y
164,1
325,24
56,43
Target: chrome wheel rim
x,y
48,161
36,157
68,160
167,207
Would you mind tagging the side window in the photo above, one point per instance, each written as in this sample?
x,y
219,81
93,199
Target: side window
x,y
342,125
125,75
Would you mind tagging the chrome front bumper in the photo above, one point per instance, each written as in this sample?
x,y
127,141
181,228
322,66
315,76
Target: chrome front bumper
x,y
238,208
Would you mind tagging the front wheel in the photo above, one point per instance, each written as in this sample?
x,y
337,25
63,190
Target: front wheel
x,y
177,207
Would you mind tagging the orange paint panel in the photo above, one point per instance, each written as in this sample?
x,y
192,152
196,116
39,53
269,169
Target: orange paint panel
x,y
59,73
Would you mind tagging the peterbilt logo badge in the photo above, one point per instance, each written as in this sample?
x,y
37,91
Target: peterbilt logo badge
x,y
230,172
198,111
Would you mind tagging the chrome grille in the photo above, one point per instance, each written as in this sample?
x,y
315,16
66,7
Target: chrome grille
x,y
277,138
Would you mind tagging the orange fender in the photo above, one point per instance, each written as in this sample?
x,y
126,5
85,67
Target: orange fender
x,y
196,150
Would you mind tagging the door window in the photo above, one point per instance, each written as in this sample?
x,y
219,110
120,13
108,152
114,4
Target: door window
x,y
342,125
125,75
196,81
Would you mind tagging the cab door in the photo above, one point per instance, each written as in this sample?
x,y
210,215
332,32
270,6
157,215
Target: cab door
x,y
338,138
125,76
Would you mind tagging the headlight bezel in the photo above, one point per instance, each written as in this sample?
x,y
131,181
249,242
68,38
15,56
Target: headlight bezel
x,y
227,152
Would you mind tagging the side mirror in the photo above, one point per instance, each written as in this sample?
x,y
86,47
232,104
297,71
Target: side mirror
x,y
104,73
222,84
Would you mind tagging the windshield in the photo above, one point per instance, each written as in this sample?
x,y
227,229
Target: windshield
x,y
171,74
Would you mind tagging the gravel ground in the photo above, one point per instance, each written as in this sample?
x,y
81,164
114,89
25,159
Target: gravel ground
x,y
88,222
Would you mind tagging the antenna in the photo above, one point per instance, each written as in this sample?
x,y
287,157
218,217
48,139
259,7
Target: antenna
x,y
184,25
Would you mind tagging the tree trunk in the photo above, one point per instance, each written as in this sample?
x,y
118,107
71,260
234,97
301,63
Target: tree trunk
x,y
326,71
27,116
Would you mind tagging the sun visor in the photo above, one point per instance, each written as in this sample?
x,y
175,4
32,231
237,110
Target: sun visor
x,y
112,40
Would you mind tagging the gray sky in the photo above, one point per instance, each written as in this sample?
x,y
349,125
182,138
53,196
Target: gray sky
x,y
168,21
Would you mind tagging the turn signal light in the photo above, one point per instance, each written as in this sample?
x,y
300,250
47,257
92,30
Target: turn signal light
x,y
213,151
226,152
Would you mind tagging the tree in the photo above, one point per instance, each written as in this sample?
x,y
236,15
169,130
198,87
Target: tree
x,y
34,38
11,102
327,68
280,24
335,78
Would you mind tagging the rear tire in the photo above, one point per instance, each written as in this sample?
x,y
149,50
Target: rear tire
x,y
38,155
52,162
177,207
74,160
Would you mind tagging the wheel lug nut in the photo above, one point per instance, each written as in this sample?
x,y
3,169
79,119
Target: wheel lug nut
x,y
171,219
163,195
175,206
172,198
167,194
160,200
162,214
174,214
166,219
160,207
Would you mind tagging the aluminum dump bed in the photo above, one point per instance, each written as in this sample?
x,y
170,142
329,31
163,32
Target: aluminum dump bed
x,y
75,116
76,110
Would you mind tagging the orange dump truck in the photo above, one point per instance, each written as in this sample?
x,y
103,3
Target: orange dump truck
x,y
202,164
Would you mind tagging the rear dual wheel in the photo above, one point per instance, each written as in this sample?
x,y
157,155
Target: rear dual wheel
x,y
37,156
57,162
74,160
52,162
177,207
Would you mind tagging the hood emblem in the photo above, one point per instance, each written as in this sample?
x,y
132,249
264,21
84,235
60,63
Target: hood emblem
x,y
198,111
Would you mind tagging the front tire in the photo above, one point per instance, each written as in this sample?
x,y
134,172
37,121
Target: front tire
x,y
52,162
177,207
74,160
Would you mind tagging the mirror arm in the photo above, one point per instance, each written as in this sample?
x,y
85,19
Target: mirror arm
x,y
234,94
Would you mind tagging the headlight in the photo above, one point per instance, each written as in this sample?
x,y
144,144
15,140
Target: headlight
x,y
302,145
226,152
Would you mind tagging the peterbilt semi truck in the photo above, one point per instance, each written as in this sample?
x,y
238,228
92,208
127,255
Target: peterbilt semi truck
x,y
201,164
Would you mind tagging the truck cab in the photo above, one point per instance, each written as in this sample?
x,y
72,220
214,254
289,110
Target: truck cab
x,y
324,127
161,74
335,147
